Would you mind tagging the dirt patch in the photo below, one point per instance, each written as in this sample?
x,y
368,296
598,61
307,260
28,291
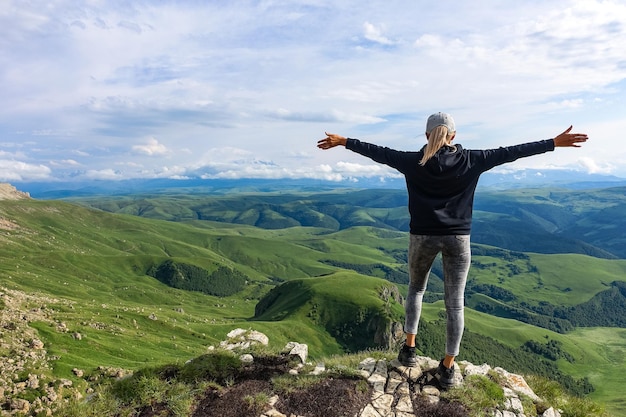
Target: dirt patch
x,y
250,395
240,400
330,397
424,408
157,410
8,224
266,367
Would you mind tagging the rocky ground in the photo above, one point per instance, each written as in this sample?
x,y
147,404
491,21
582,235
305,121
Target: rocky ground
x,y
24,362
392,390
377,388
9,192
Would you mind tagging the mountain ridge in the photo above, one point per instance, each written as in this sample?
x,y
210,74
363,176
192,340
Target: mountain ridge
x,y
504,179
542,220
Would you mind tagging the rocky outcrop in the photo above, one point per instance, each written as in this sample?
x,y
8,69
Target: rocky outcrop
x,y
398,390
388,334
9,192
395,390
27,368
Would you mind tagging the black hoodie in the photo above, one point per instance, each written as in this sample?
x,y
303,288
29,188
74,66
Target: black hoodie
x,y
441,193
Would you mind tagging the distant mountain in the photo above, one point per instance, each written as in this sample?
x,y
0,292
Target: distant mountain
x,y
525,178
500,180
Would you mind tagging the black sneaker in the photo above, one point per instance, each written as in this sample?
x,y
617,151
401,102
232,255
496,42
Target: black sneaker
x,y
407,356
445,375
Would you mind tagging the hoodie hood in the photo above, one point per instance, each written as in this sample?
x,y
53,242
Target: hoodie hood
x,y
446,160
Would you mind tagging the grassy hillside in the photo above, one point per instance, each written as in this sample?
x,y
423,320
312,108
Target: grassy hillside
x,y
598,352
87,269
96,263
543,220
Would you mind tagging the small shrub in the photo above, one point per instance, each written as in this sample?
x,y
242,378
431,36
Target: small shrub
x,y
362,386
287,383
530,407
545,388
220,367
149,390
180,399
258,402
128,390
582,407
554,395
478,394
103,403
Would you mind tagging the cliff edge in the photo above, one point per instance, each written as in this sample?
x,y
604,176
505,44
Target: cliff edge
x,y
9,192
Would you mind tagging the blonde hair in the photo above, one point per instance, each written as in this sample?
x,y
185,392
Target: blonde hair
x,y
437,138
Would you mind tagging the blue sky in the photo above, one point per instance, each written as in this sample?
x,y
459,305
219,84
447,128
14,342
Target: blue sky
x,y
108,89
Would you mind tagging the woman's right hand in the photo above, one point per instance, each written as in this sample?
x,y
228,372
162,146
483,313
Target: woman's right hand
x,y
331,141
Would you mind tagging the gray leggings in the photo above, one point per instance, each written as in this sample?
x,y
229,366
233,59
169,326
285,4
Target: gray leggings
x,y
456,256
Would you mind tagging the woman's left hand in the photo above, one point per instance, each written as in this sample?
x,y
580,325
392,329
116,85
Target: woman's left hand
x,y
570,139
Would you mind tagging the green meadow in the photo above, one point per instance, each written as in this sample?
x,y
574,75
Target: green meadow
x,y
324,275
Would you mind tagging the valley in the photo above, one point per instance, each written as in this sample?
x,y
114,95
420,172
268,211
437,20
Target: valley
x,y
335,256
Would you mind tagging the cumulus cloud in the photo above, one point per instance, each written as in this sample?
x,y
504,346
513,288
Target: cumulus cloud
x,y
65,163
593,167
375,34
104,174
11,170
152,148
366,170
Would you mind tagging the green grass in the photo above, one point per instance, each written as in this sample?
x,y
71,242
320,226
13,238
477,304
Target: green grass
x,y
601,359
478,394
584,276
332,305
562,279
552,394
93,263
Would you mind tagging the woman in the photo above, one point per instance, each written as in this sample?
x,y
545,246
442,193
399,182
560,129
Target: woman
x,y
441,179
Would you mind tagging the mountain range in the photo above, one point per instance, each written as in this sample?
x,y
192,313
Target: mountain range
x,y
523,178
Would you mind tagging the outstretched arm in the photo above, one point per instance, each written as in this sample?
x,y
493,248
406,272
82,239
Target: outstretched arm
x,y
569,139
331,141
384,155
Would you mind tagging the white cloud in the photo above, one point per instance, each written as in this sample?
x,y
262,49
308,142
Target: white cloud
x,y
360,169
593,167
375,34
79,152
11,170
65,163
12,155
152,148
103,174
